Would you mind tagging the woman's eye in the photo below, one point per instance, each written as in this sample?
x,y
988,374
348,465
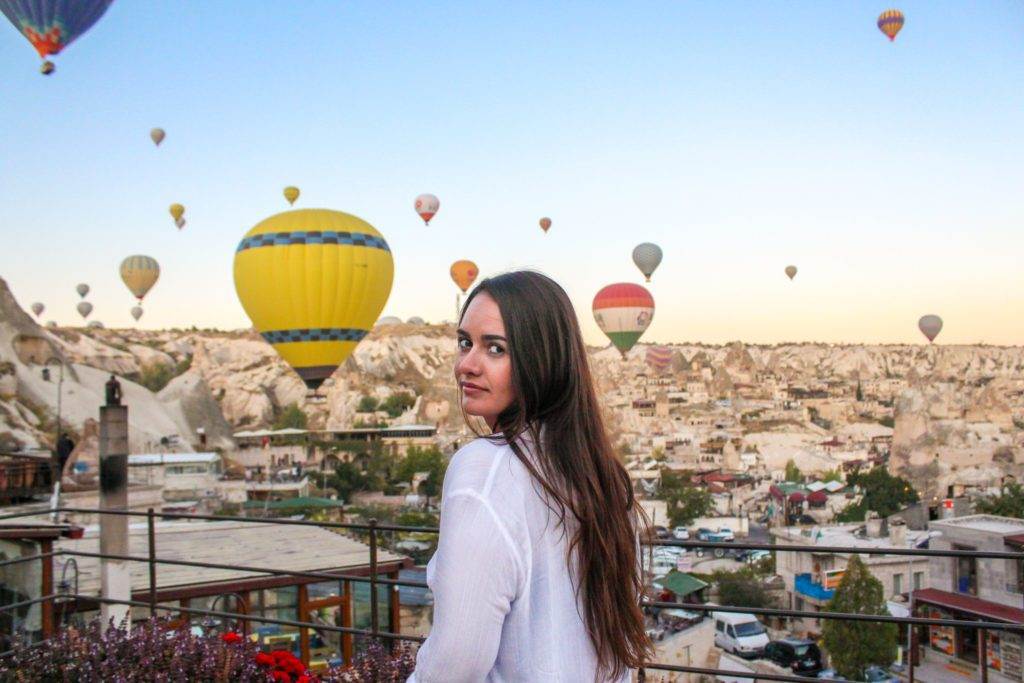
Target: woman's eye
x,y
496,349
464,344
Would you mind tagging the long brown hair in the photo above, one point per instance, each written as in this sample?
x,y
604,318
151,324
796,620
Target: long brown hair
x,y
556,406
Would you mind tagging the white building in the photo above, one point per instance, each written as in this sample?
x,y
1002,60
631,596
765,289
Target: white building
x,y
186,477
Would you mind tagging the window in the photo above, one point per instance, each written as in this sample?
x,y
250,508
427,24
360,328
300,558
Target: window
x,y
897,584
918,580
966,575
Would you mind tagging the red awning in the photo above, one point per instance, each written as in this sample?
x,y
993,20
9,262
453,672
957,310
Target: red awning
x,y
796,497
1014,539
818,498
775,491
970,604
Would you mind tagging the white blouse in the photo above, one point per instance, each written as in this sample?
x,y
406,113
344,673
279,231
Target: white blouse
x,y
504,604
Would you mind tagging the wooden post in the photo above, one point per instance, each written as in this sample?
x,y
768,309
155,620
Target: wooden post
x,y
46,546
983,653
346,622
246,624
395,614
304,631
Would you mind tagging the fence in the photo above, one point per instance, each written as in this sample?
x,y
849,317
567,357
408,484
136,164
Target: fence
x,y
373,530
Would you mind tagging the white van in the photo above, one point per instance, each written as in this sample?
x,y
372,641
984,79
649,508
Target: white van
x,y
741,634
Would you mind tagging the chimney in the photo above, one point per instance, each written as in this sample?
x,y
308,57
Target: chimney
x,y
898,533
872,525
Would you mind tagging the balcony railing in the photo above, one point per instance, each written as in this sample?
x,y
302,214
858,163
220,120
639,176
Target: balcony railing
x,y
373,530
22,478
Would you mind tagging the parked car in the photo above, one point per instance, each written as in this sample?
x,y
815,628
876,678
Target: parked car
x,y
878,674
830,675
739,633
703,533
799,654
681,533
754,556
726,534
661,532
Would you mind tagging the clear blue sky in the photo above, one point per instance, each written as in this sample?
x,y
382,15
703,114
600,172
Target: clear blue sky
x,y
740,136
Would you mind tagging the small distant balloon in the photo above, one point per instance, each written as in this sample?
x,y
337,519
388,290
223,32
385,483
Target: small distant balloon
x,y
930,326
96,325
82,289
647,257
139,274
136,312
464,274
177,211
427,206
180,223
890,22
84,308
545,224
291,193
38,308
157,135
791,272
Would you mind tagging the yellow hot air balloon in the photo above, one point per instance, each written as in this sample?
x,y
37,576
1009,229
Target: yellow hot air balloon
x,y
140,273
464,274
177,211
313,282
291,193
890,22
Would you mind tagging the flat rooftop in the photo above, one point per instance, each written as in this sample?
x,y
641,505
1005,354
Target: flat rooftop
x,y
989,523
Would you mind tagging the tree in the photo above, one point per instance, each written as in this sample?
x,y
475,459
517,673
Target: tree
x,y
367,404
793,472
658,454
291,417
860,393
346,480
832,475
743,588
1009,502
855,645
398,403
685,501
883,493
429,460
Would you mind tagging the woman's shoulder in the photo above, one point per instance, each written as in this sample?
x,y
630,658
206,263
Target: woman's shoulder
x,y
479,466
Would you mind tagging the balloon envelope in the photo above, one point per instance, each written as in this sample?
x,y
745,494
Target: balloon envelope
x,y
38,308
545,224
180,222
930,326
82,289
140,273
426,206
623,311
291,193
52,25
136,312
464,274
791,272
659,358
84,308
313,282
177,211
157,135
890,22
647,256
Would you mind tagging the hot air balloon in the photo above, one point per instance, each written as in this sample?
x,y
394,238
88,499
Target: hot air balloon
x,y
177,211
52,25
136,312
180,223
38,308
291,193
140,273
96,325
623,311
313,282
930,326
545,224
157,135
82,289
464,274
84,308
791,272
659,358
890,22
426,206
647,256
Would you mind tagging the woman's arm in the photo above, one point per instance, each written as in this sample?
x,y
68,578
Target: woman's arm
x,y
476,576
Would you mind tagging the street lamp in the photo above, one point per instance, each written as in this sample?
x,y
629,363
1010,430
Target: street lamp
x,y
55,464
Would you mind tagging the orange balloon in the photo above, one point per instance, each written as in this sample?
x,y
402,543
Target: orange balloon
x,y
464,274
545,224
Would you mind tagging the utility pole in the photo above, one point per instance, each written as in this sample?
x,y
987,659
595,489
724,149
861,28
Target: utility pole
x,y
115,575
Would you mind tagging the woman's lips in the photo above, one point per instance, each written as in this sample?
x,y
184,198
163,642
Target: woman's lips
x,y
471,389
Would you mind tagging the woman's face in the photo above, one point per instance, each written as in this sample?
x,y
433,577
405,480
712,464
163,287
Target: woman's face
x,y
483,367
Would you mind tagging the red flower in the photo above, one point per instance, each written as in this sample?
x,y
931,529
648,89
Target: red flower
x,y
263,659
281,676
231,638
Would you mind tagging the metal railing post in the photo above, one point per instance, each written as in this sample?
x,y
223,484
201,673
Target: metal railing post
x,y
374,617
151,532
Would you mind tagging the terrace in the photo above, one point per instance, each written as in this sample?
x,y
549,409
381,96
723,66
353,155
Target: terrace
x,y
166,574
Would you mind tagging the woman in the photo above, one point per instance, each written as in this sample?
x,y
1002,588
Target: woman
x,y
536,575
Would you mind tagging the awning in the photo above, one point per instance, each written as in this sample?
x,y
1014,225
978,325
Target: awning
x,y
796,497
1014,539
970,604
818,498
681,584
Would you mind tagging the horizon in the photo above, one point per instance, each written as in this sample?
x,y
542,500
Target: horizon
x,y
740,139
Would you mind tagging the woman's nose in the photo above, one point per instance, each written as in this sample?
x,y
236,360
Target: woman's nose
x,y
469,364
